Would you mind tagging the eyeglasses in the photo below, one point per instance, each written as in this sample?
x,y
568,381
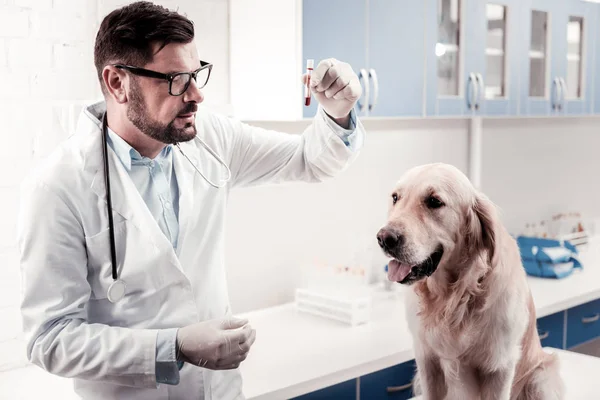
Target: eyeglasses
x,y
178,82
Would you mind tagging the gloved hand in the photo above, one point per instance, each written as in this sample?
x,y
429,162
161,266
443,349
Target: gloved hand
x,y
215,344
335,86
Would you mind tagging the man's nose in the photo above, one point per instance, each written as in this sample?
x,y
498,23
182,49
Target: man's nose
x,y
193,94
389,239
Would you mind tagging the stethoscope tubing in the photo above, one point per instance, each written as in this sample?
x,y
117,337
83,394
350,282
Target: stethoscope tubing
x,y
111,227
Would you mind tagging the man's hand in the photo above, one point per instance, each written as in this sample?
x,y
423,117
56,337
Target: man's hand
x,y
336,87
215,344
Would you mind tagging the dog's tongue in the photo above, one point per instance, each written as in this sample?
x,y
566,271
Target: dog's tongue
x,y
397,271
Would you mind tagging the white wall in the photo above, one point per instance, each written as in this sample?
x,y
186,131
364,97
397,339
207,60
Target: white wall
x,y
533,168
46,71
265,66
267,225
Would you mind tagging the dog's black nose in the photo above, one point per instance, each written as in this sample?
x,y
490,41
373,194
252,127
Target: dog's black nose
x,y
388,239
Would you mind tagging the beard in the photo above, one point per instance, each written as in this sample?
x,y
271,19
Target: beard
x,y
169,134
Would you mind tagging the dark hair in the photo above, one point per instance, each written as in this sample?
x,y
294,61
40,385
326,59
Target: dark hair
x,y
127,34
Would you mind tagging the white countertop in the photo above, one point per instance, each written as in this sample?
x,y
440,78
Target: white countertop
x,y
296,353
579,372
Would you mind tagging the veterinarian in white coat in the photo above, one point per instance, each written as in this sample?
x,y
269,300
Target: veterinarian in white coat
x,y
171,335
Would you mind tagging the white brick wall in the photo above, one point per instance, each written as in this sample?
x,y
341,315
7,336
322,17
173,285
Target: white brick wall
x,y
14,22
46,73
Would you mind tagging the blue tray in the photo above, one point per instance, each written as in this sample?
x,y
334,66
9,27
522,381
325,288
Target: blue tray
x,y
548,258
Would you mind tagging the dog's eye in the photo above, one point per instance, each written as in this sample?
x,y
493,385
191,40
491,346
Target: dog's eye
x,y
433,202
394,198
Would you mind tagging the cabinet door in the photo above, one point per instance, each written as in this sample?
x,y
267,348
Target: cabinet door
x,y
583,323
494,49
577,26
390,383
342,391
396,49
596,43
551,330
334,29
540,66
450,81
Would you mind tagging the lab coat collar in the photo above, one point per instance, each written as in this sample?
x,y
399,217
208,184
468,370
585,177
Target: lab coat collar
x,y
126,200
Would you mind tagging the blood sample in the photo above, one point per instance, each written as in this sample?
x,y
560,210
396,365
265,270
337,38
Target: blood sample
x,y
309,68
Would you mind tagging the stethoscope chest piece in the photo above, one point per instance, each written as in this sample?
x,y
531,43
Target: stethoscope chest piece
x,y
116,291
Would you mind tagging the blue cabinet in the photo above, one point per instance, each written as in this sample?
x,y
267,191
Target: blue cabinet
x,y
461,57
495,46
377,37
551,330
595,65
391,383
472,68
334,29
540,66
396,53
557,57
342,391
583,323
450,79
578,26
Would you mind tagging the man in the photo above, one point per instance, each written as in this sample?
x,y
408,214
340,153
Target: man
x,y
169,333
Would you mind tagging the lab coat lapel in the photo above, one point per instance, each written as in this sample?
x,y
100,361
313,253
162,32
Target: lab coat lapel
x,y
127,201
186,177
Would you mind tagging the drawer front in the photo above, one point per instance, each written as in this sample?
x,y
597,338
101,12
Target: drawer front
x,y
391,383
343,391
583,323
551,330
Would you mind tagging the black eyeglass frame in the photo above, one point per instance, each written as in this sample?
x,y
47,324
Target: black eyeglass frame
x,y
169,77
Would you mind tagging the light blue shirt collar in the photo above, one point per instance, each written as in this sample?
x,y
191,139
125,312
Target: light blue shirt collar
x,y
128,155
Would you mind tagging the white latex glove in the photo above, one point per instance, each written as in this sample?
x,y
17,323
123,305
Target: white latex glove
x,y
215,344
335,86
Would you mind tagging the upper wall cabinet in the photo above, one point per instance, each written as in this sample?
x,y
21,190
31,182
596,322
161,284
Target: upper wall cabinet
x,y
557,57
383,41
471,57
418,58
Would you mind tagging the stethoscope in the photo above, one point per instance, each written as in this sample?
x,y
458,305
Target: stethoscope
x,y
116,290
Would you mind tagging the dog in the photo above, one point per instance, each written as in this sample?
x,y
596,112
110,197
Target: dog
x,y
470,311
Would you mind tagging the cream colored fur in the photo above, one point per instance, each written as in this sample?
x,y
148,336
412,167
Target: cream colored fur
x,y
473,321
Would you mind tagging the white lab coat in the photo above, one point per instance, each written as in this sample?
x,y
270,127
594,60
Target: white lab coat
x,y
70,327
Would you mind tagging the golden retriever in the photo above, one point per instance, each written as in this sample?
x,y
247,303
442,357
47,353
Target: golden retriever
x,y
470,310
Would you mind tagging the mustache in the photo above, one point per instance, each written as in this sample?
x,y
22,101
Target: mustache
x,y
189,108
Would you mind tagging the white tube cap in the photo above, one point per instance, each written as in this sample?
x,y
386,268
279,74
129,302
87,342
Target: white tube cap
x,y
310,63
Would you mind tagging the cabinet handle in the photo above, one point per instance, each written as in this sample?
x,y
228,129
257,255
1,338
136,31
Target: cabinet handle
x,y
396,389
554,93
472,91
563,91
559,94
479,79
544,335
373,76
362,75
589,320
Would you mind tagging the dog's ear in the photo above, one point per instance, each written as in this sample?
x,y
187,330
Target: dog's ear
x,y
481,226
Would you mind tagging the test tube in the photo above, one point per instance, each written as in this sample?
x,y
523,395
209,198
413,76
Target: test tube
x,y
309,68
